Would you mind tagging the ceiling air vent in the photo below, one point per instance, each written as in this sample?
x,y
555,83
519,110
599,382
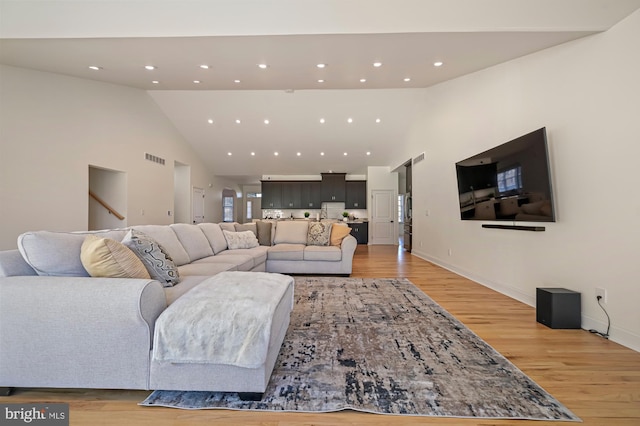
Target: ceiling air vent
x,y
418,159
153,158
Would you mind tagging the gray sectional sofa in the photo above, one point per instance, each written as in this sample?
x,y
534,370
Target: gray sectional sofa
x,y
60,327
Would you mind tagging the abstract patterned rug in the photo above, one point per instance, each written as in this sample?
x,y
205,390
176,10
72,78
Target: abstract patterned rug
x,y
383,346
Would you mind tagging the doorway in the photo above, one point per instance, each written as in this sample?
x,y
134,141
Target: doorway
x,y
109,200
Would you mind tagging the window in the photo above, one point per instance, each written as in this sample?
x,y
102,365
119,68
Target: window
x,y
227,209
249,213
400,208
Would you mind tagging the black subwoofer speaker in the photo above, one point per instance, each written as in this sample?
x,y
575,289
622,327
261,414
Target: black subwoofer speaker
x,y
558,308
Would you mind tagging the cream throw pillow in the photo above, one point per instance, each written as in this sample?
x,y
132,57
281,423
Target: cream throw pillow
x,y
104,257
240,240
338,232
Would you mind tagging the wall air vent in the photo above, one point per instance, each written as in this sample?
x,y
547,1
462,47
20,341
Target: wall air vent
x,y
153,158
418,159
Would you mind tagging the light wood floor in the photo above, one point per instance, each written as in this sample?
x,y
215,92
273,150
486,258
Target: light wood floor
x,y
596,379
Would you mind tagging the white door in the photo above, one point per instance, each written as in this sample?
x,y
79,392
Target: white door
x,y
383,220
197,201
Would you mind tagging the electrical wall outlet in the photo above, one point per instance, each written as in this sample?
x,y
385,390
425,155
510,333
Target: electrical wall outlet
x,y
602,293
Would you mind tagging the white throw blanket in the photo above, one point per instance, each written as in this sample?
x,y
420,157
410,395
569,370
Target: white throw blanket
x,y
226,319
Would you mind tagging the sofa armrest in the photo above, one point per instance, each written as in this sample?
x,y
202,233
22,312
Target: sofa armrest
x,y
348,247
77,331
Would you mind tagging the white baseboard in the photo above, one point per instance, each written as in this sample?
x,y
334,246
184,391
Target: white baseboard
x,y
617,334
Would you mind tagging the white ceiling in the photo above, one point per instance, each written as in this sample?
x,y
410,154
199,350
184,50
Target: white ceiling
x,y
233,36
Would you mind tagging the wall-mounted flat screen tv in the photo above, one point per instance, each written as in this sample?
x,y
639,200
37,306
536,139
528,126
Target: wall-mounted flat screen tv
x,y
511,182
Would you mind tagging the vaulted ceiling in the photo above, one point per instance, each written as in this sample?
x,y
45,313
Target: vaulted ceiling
x,y
344,116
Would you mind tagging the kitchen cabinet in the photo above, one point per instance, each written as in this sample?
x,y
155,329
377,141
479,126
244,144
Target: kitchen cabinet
x,y
360,230
291,195
356,194
310,194
409,178
333,187
271,195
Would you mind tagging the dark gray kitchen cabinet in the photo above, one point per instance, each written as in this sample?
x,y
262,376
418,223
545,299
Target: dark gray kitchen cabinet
x,y
271,195
333,187
356,194
310,194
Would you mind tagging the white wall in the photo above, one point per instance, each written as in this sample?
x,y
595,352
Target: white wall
x,y
587,94
53,127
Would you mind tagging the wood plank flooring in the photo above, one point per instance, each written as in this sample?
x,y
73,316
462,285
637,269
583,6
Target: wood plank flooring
x,y
596,379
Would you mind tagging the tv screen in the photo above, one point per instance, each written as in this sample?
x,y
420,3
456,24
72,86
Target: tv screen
x,y
510,182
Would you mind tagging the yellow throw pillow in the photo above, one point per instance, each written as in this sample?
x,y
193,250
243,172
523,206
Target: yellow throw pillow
x,y
104,257
338,232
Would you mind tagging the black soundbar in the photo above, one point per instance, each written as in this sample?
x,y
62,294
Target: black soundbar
x,y
515,227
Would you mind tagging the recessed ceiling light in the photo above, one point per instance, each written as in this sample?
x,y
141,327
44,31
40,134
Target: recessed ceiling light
x,y
363,80
237,121
345,154
377,64
210,121
298,154
321,81
321,65
407,79
275,153
204,67
322,153
95,68
155,82
236,81
253,153
438,64
196,81
349,120
377,120
368,153
266,121
149,67
263,66
322,121
229,154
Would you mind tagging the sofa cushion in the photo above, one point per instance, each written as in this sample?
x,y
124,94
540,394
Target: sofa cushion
x,y
228,226
243,262
291,232
259,254
246,227
104,257
318,234
286,252
168,239
338,233
327,253
206,268
240,240
171,294
58,253
193,240
264,232
213,233
155,258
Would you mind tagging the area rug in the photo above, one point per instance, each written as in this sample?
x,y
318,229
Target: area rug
x,y
383,346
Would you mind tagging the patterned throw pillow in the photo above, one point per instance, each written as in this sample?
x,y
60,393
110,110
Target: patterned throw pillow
x,y
104,257
338,233
319,234
240,240
154,257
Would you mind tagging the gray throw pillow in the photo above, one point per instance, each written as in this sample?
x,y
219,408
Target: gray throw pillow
x,y
154,257
264,233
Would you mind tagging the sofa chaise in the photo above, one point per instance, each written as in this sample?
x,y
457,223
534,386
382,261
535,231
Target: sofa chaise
x,y
62,328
